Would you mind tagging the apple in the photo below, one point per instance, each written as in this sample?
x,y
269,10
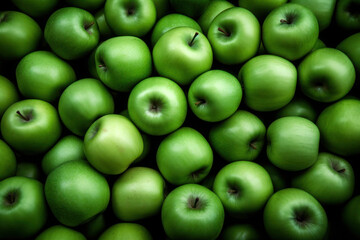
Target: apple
x,y
43,75
215,95
347,15
191,8
192,211
261,8
59,232
95,226
319,44
104,28
240,232
82,103
137,194
351,47
8,94
162,8
122,62
279,178
7,161
293,143
19,35
300,107
36,8
240,137
330,180
234,35
125,231
290,31
130,17
31,126
184,156
23,210
182,54
294,214
339,128
326,75
269,82
75,193
112,143
28,169
71,32
157,106
243,188
350,216
68,148
89,5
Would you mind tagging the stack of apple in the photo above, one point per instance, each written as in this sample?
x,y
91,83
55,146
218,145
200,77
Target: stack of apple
x,y
179,119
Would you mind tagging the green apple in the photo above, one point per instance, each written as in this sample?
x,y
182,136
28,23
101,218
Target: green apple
x,y
59,232
269,82
215,95
293,143
68,148
8,94
191,8
319,44
7,161
82,103
126,231
157,106
89,5
36,8
184,156
122,62
339,128
240,232
294,214
347,15
75,193
290,31
351,47
130,17
322,9
28,169
23,208
172,21
182,54
243,188
71,32
214,8
43,75
234,35
240,137
350,216
31,126
261,8
192,211
298,107
112,143
95,226
19,35
278,177
162,8
330,180
326,75
104,28
137,194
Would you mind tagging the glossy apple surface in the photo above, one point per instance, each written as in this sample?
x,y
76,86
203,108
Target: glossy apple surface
x,y
125,231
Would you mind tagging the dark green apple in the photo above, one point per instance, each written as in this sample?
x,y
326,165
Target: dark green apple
x,y
104,28
8,94
95,226
36,8
261,8
347,14
319,44
59,232
351,47
298,107
29,170
7,161
240,232
191,8
278,177
89,5
126,231
350,216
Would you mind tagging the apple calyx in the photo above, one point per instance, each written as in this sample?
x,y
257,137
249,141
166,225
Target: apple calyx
x,y
194,202
155,106
253,145
191,43
23,117
336,166
11,198
301,218
87,26
289,19
130,11
227,34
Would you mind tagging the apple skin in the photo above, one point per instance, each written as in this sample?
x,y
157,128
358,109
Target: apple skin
x,y
34,135
182,54
240,137
94,227
162,8
42,75
192,211
278,177
350,216
293,143
89,5
318,45
240,232
339,128
112,143
326,75
82,103
29,170
294,214
351,47
243,188
171,21
7,161
347,15
59,232
19,35
130,17
330,180
261,8
298,107
125,231
122,62
71,32
104,28
184,156
215,95
234,35
189,8
22,207
157,106
285,37
138,186
75,193
36,8
8,94
68,148
271,86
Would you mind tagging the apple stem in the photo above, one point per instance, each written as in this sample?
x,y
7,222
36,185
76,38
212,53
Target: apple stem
x,y
283,21
88,25
22,116
224,32
200,102
193,39
103,66
195,202
253,146
232,191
